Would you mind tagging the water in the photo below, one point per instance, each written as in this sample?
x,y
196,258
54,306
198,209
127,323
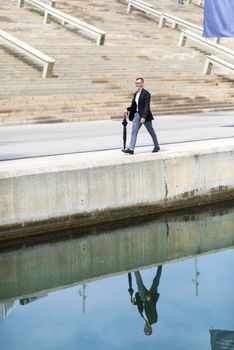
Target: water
x,y
80,297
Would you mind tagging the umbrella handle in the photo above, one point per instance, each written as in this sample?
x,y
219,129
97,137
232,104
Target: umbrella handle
x,y
125,122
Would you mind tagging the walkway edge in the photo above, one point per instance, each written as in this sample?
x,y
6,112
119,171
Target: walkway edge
x,y
39,195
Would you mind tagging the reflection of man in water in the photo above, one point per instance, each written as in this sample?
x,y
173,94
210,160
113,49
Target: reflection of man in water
x,y
146,299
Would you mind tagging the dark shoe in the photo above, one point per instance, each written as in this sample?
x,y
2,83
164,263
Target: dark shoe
x,y
156,149
128,150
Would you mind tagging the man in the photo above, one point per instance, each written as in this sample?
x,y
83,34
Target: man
x,y
140,113
146,300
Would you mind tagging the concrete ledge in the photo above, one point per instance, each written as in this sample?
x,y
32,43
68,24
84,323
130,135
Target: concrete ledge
x,y
90,187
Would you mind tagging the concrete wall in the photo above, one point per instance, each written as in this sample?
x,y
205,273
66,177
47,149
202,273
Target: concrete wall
x,y
46,267
91,186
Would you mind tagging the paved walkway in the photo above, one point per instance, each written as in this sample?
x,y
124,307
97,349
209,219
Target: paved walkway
x,y
17,142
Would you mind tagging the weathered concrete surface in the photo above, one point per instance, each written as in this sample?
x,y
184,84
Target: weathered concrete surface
x,y
39,269
76,189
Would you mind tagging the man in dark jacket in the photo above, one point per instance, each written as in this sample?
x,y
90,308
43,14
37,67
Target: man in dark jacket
x,y
140,113
146,300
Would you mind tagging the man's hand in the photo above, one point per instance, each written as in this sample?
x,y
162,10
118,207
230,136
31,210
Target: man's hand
x,y
142,120
126,112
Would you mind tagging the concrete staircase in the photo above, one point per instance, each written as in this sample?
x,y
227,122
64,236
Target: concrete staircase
x,y
96,82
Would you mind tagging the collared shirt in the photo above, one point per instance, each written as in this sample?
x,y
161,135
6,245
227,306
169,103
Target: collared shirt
x,y
137,99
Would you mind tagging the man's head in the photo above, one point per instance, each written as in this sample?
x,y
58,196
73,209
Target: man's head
x,y
148,329
139,83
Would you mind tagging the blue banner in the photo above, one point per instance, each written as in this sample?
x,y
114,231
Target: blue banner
x,y
218,18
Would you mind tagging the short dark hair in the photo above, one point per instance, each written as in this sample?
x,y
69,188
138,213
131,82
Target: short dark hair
x,y
140,79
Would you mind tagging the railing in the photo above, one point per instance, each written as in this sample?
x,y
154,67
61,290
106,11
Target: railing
x,y
189,35
64,18
213,60
142,2
46,15
176,22
199,2
142,6
48,62
163,17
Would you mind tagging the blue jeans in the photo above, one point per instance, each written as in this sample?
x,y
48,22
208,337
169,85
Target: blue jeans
x,y
143,291
136,127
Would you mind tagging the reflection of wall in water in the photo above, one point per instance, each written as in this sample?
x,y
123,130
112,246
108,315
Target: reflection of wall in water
x,y
47,267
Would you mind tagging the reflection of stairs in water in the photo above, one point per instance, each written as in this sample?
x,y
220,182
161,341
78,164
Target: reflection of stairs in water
x,y
95,82
6,309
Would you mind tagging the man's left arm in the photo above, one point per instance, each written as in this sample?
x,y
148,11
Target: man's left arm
x,y
146,107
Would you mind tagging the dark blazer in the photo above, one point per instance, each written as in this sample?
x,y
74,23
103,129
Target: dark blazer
x,y
143,106
149,306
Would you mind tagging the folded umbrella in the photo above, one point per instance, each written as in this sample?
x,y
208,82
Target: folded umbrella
x,y
124,123
130,289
